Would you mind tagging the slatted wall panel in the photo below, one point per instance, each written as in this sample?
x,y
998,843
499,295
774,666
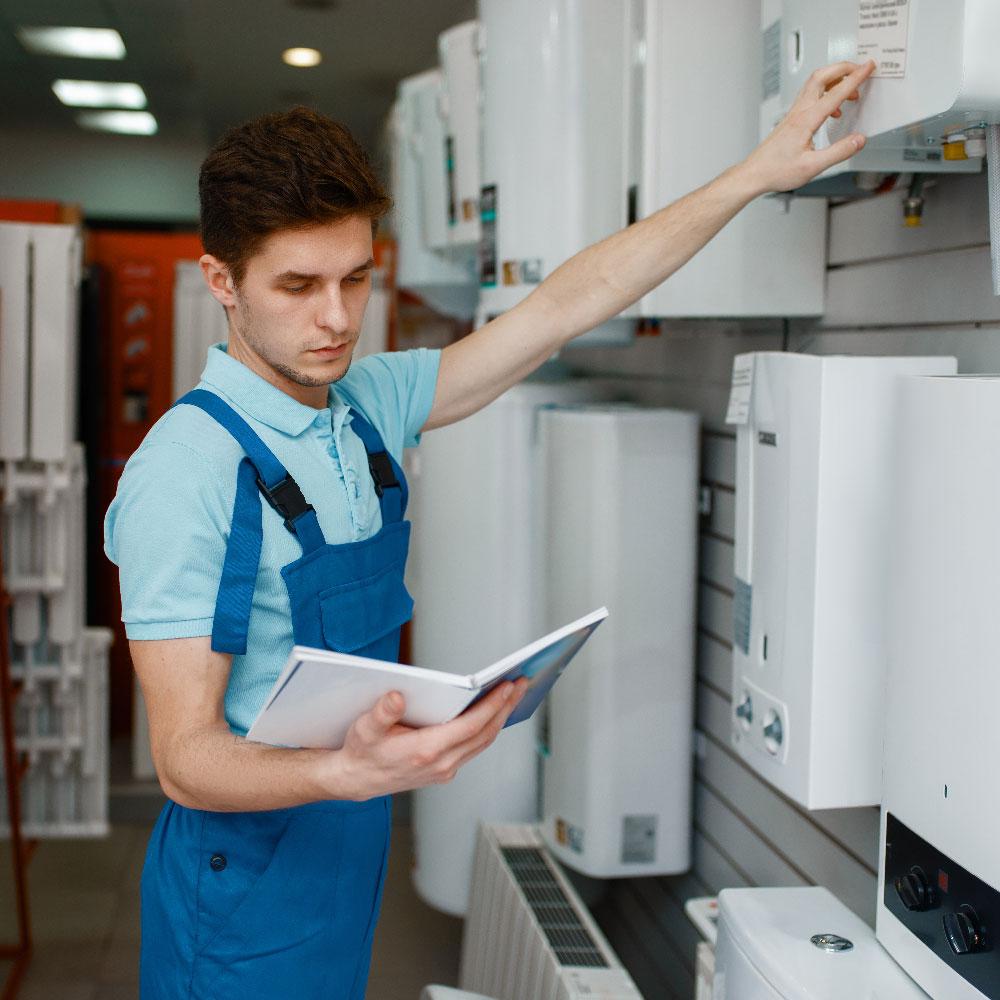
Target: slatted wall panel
x,y
890,291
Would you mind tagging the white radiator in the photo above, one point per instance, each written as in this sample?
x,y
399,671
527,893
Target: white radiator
x,y
527,933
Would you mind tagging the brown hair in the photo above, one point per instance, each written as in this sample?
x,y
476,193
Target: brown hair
x,y
282,171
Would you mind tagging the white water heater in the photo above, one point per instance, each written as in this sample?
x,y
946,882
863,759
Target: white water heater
x,y
479,586
557,97
934,89
447,282
458,51
621,515
40,272
814,452
702,72
938,909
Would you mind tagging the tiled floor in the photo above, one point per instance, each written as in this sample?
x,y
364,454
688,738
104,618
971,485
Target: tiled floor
x,y
84,897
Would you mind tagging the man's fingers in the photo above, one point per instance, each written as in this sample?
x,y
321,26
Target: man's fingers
x,y
835,96
838,151
387,712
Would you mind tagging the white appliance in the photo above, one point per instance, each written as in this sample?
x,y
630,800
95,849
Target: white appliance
x,y
936,78
528,934
40,271
621,530
419,189
458,51
801,944
199,322
478,554
939,875
813,510
557,79
702,73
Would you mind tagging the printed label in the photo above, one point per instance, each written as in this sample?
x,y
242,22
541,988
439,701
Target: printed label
x,y
740,390
488,237
638,840
569,836
882,34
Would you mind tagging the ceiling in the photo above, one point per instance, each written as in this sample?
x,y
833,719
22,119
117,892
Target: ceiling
x,y
207,64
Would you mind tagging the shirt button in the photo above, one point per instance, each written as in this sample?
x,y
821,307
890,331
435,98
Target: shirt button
x,y
218,862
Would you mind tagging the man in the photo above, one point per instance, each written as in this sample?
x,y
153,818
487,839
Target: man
x,y
264,872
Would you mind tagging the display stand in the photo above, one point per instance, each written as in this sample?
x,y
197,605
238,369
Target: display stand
x,y
14,766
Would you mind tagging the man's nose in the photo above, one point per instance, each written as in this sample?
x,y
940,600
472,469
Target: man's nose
x,y
333,313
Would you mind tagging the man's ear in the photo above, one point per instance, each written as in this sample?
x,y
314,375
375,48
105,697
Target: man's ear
x,y
219,280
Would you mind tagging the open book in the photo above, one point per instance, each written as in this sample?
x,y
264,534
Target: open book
x,y
319,694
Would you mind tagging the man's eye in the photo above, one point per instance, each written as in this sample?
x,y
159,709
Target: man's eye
x,y
295,289
357,279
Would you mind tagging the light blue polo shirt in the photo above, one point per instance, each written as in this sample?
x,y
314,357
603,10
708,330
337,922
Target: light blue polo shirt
x,y
168,525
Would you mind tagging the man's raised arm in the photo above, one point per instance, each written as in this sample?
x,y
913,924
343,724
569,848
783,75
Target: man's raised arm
x,y
602,280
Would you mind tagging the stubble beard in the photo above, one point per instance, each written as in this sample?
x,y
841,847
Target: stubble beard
x,y
263,351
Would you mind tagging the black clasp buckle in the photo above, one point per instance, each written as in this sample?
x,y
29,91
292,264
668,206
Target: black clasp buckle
x,y
286,498
382,475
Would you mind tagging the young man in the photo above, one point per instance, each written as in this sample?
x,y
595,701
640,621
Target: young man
x,y
265,869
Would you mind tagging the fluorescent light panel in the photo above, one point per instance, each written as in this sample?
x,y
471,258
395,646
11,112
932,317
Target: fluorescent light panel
x,y
125,122
83,43
96,94
302,57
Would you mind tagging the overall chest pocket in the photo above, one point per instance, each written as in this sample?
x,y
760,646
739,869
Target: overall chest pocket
x,y
355,615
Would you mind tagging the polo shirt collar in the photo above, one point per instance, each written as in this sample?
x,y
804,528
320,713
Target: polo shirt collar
x,y
261,400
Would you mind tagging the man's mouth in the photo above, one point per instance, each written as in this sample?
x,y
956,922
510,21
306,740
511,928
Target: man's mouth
x,y
330,353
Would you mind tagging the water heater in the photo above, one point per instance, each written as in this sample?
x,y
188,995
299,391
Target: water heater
x,y
419,188
934,89
621,525
939,876
479,585
814,451
458,50
556,132
701,74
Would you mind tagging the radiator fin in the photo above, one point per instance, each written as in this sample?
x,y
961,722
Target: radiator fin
x,y
566,935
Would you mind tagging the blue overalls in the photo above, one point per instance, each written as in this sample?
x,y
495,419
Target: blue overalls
x,y
269,905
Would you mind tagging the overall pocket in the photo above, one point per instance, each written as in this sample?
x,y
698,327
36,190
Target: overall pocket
x,y
354,615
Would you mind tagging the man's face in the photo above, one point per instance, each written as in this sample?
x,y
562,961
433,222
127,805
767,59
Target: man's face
x,y
300,304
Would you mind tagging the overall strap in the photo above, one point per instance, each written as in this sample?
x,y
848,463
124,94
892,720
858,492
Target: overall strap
x,y
390,483
259,472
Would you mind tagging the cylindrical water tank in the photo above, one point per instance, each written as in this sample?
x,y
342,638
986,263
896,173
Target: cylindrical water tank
x,y
479,595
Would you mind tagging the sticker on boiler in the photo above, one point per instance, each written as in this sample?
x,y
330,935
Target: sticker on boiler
x,y
740,390
882,34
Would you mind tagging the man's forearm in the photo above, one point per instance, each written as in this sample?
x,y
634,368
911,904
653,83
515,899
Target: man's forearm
x,y
609,276
216,770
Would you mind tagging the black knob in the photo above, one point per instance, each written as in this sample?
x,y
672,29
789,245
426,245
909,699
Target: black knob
x,y
965,933
915,892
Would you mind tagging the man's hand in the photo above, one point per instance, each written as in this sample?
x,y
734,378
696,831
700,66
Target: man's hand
x,y
786,159
381,756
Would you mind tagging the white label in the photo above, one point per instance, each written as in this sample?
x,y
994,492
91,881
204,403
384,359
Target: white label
x,y
741,390
882,26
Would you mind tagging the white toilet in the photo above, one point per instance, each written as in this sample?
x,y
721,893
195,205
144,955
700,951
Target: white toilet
x,y
801,944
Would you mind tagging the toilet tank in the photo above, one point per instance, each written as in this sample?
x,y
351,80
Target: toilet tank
x,y
801,944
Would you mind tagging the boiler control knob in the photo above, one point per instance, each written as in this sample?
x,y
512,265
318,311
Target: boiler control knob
x,y
915,892
964,932
744,710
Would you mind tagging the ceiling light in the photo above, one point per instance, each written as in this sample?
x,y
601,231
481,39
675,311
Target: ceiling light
x,y
126,122
84,43
302,57
94,94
